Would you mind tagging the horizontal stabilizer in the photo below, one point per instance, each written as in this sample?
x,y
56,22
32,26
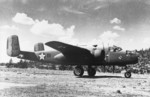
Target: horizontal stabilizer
x,y
28,55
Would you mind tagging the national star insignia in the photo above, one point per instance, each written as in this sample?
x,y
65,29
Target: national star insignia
x,y
42,56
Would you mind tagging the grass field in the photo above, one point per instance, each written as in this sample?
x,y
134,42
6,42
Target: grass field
x,y
53,83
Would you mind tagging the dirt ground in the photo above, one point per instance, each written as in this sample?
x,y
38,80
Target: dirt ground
x,y
53,83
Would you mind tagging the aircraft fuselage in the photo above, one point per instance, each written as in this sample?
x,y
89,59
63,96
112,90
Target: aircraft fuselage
x,y
112,58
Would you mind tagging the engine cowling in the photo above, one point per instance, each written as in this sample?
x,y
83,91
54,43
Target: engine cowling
x,y
38,47
99,55
13,47
59,57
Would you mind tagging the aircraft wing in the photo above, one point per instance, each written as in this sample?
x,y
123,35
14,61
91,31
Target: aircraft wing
x,y
70,50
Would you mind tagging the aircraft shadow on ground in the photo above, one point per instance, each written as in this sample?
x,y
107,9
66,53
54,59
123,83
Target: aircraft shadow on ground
x,y
105,76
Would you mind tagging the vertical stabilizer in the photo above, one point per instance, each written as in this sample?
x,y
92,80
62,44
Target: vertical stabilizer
x,y
13,48
38,47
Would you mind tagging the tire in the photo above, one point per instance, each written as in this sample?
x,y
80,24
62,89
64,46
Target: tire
x,y
91,72
127,74
78,71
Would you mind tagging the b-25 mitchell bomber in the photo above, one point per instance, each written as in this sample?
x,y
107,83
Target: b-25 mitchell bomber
x,y
66,54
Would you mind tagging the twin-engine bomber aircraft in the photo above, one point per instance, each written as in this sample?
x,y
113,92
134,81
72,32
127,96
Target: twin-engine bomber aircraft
x,y
66,54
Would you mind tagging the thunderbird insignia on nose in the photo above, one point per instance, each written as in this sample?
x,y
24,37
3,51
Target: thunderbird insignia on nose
x,y
120,57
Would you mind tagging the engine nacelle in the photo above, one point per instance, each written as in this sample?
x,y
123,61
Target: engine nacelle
x,y
38,47
13,48
99,55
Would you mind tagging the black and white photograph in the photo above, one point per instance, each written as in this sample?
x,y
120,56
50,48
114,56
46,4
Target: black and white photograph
x,y
74,48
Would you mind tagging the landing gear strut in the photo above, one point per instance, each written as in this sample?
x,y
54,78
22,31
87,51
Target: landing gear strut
x,y
91,71
127,74
78,71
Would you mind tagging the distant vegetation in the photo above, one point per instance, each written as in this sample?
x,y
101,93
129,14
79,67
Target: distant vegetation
x,y
143,66
33,64
144,61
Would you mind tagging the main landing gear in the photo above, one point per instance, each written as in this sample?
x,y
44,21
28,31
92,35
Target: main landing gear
x,y
91,71
78,71
127,74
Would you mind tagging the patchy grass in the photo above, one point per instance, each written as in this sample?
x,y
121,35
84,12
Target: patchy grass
x,y
54,83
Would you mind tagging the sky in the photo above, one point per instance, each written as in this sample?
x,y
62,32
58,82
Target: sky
x,y
125,23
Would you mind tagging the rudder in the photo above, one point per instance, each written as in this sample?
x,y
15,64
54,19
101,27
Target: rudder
x,y
13,47
38,47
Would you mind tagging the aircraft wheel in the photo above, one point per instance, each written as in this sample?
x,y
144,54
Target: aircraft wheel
x,y
91,72
127,74
78,71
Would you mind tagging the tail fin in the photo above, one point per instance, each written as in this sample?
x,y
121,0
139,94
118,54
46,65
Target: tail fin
x,y
13,48
38,47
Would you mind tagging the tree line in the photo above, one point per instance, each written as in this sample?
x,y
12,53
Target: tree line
x,y
34,64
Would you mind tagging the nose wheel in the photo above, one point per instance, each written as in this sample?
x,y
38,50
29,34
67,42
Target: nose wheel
x,y
127,74
78,71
